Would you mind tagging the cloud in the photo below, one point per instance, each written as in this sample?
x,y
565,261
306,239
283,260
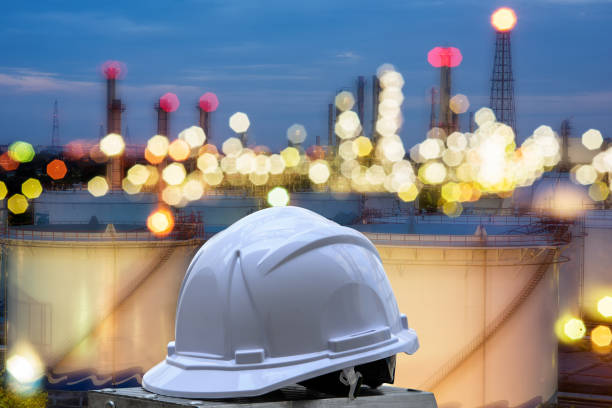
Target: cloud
x,y
97,22
31,81
348,55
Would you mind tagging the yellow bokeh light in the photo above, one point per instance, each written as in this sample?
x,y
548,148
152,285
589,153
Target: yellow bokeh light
x,y
213,178
228,164
174,174
3,190
599,191
375,175
130,187
592,139
408,192
97,186
158,145
232,146
193,189
263,165
318,172
452,209
153,176
17,204
207,163
451,192
432,173
574,329
258,179
239,122
344,101
601,336
291,156
604,306
112,145
21,152
363,146
278,197
31,188
194,136
172,195
138,174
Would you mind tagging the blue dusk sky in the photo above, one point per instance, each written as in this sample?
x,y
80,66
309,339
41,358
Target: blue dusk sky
x,y
282,62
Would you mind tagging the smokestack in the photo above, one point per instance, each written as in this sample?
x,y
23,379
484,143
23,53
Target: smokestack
x,y
203,123
432,114
244,138
472,125
110,97
446,119
330,125
375,93
360,98
318,140
162,121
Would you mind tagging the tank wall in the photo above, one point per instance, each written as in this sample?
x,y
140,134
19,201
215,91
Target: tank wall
x,y
597,268
91,308
450,297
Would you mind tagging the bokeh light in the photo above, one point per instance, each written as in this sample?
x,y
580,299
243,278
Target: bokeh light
x,y
129,187
604,306
592,139
444,57
97,186
7,163
209,102
21,152
114,70
232,146
179,150
599,191
290,156
169,102
239,122
161,222
503,19
207,163
362,146
278,197
601,336
574,329
56,169
459,104
112,145
319,172
296,134
194,136
138,174
158,145
174,174
3,190
347,125
24,370
17,204
344,101
408,192
31,188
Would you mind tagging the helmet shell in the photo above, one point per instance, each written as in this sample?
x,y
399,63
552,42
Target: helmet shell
x,y
281,296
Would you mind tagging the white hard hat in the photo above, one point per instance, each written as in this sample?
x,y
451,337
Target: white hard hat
x,y
281,296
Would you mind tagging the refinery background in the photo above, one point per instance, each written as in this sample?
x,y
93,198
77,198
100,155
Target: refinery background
x,y
504,242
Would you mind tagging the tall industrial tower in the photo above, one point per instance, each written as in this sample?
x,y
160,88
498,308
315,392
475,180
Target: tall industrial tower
x,y
502,81
55,136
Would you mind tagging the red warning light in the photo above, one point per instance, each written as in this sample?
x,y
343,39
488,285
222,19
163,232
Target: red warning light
x,y
114,70
169,102
444,57
209,102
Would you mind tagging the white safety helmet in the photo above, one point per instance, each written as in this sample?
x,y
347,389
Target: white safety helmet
x,y
282,296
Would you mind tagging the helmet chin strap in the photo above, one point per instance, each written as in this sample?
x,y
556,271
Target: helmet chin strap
x,y
350,377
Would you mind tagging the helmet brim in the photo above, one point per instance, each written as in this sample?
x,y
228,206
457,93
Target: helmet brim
x,y
171,380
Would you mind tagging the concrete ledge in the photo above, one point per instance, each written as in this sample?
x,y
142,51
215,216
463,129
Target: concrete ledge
x,y
294,396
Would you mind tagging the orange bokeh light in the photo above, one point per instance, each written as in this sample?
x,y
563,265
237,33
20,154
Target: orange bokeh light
x,y
56,169
208,148
160,222
179,150
503,19
151,158
7,163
